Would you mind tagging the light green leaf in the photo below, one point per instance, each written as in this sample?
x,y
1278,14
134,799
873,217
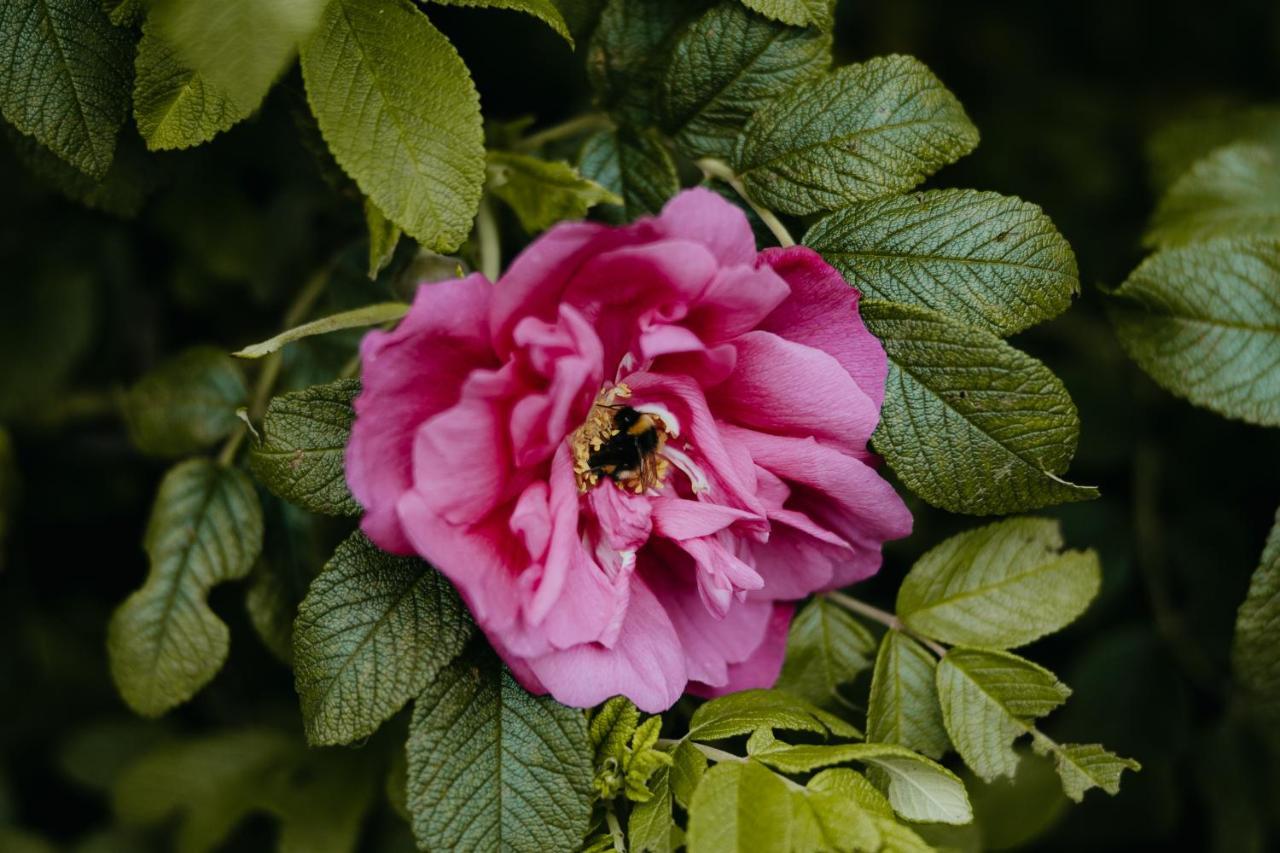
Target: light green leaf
x,y
384,236
544,10
1204,322
1082,766
799,13
541,192
1257,636
369,315
632,165
398,110
66,79
989,699
687,769
1000,586
725,66
990,260
898,838
903,706
185,404
174,106
743,712
491,767
826,647
164,642
854,786
372,633
863,131
299,455
826,819
611,728
1233,192
651,827
740,808
969,423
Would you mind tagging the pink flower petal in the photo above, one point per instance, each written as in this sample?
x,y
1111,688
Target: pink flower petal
x,y
761,669
702,215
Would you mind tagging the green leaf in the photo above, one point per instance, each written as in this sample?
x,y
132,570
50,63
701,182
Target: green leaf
x,y
67,78
903,706
824,817
743,712
121,192
384,236
185,404
611,729
990,260
740,807
1257,635
544,10
580,15
853,786
369,315
491,767
1233,192
863,131
1204,322
969,423
299,456
372,633
398,110
541,192
1000,586
632,165
1176,146
238,48
826,647
45,328
989,699
164,642
174,106
799,13
688,767
651,826
1082,766
725,66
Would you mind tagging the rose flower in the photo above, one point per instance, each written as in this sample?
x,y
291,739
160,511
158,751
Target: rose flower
x,y
633,452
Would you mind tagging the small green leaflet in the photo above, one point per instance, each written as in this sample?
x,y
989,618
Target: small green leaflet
x,y
990,260
164,643
651,828
1082,766
725,66
831,820
542,192
1000,586
903,706
1253,655
818,13
66,78
862,131
369,315
1233,192
740,808
373,632
186,404
1204,322
688,767
743,712
491,767
384,236
299,455
543,10
969,423
398,110
826,647
633,165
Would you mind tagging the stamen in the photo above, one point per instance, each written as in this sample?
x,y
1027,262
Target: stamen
x,y
698,481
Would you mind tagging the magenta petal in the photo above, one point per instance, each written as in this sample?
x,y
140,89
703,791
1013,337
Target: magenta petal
x,y
702,215
736,301
761,669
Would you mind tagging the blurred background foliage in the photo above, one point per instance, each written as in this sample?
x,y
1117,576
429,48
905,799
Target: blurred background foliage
x,y
209,246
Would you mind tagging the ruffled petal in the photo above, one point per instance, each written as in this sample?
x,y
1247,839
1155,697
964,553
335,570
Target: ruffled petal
x,y
702,215
762,668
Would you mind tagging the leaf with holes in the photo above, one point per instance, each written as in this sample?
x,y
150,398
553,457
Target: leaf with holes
x,y
903,705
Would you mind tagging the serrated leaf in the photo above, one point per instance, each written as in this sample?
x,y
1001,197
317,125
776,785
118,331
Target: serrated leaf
x,y
903,706
67,78
164,643
688,767
1082,766
491,767
299,454
799,13
632,165
1000,586
829,820
725,66
740,807
743,712
185,404
544,10
862,131
989,699
369,315
543,192
854,786
372,633
969,423
611,728
826,647
650,826
173,105
990,260
1257,634
1233,192
398,110
384,236
1204,322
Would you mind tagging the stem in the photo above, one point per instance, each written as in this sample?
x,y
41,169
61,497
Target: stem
x,y
565,130
615,829
884,617
487,238
719,755
720,170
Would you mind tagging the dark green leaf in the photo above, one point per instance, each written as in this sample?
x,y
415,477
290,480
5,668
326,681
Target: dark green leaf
x,y
1254,655
1180,143
541,192
632,165
125,13
186,404
121,192
903,706
826,647
1233,192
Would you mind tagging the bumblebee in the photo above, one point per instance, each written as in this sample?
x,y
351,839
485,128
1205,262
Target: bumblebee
x,y
630,455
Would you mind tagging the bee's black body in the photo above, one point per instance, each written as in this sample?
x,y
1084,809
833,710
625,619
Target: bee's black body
x,y
623,455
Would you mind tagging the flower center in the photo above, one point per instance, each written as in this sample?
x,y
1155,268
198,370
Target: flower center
x,y
621,443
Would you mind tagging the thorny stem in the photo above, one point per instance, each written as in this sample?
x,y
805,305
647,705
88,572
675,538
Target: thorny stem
x,y
883,617
565,130
720,170
487,237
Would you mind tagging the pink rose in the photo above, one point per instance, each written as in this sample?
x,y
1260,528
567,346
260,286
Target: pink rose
x,y
633,452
